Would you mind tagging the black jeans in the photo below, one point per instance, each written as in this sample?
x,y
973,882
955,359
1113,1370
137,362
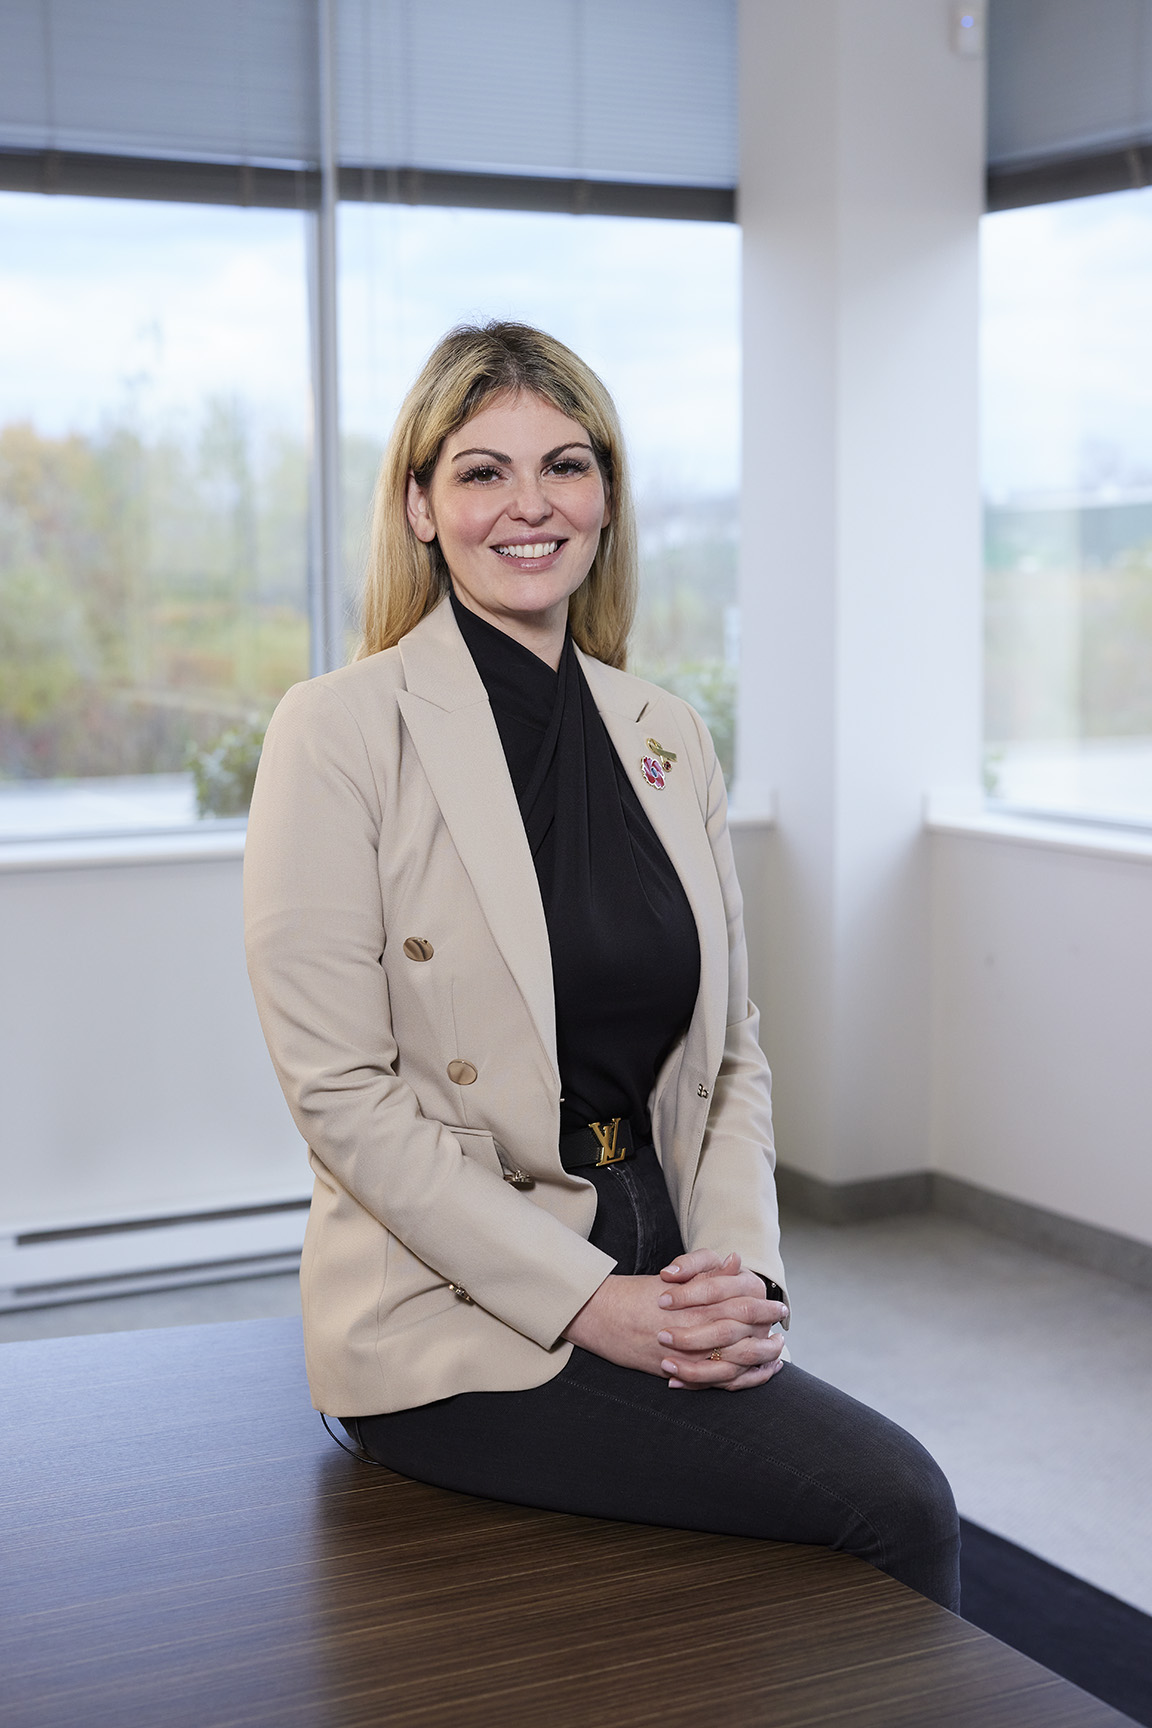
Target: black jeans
x,y
793,1460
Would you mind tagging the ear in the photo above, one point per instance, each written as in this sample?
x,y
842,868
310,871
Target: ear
x,y
419,511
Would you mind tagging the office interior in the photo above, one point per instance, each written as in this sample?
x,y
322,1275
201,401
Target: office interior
x,y
955,983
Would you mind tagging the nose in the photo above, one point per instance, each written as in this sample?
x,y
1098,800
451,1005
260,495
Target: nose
x,y
529,502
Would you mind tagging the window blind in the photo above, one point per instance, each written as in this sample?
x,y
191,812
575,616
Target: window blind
x,y
1069,98
217,80
613,89
639,91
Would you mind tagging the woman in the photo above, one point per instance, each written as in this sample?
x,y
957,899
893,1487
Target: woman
x,y
495,937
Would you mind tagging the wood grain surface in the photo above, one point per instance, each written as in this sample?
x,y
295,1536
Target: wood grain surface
x,y
184,1547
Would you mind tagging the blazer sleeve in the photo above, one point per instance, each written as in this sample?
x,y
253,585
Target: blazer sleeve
x,y
733,1203
315,932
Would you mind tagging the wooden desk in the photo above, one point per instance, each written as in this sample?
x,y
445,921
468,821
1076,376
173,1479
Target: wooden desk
x,y
184,1547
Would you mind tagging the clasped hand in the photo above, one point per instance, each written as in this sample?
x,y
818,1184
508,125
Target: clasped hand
x,y
675,1323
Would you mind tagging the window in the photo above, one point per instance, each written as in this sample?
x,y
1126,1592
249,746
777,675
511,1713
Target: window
x,y
154,452
169,553
1067,382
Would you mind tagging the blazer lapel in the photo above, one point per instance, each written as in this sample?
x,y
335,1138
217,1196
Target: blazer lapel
x,y
447,713
632,714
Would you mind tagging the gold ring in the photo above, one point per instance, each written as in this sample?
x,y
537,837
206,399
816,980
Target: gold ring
x,y
715,1356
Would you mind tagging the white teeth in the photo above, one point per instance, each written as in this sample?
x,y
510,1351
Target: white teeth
x,y
544,550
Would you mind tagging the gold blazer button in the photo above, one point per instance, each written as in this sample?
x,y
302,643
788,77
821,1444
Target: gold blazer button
x,y
462,1073
418,948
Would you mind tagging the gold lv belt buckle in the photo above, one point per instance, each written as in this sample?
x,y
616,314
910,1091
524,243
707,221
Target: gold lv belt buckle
x,y
607,1138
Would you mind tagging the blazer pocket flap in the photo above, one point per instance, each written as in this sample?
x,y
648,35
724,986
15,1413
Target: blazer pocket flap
x,y
477,1143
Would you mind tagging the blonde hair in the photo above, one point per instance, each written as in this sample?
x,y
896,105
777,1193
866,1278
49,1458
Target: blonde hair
x,y
473,364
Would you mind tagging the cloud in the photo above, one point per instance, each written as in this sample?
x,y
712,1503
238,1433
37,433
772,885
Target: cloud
x,y
108,307
1066,341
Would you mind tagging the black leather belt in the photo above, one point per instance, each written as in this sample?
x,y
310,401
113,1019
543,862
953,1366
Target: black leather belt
x,y
599,1144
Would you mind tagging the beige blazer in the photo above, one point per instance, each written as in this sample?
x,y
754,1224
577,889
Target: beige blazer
x,y
384,811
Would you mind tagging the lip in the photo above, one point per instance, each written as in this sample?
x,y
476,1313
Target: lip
x,y
517,562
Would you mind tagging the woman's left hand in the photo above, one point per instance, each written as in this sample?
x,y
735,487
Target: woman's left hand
x,y
720,1324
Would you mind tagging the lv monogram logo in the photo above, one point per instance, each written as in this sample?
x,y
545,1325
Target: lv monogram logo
x,y
607,1138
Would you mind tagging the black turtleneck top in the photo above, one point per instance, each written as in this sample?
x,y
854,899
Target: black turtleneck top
x,y
625,953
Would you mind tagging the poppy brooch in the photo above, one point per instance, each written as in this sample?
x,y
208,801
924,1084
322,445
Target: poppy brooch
x,y
656,767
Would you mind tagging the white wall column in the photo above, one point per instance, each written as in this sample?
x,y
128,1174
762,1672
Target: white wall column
x,y
861,190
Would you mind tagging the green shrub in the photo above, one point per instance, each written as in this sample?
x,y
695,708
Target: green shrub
x,y
225,770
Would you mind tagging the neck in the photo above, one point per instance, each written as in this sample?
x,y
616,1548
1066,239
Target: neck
x,y
542,633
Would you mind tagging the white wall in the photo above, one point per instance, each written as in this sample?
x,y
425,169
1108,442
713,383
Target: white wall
x,y
861,190
133,1074
1042,1026
136,1082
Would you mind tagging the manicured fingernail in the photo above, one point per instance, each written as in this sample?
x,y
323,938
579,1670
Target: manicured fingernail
x,y
663,1337
672,1269
664,1301
677,1383
785,1313
667,1367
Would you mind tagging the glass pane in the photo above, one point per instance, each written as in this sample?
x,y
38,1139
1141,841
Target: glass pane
x,y
154,450
654,307
1067,380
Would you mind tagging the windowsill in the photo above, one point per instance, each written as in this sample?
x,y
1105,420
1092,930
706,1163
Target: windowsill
x,y
191,846
1095,839
943,815
86,852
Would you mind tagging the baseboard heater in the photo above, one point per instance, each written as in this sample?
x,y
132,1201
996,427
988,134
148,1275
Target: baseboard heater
x,y
76,1263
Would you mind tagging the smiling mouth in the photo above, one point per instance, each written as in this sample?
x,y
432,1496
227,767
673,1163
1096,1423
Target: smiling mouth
x,y
532,549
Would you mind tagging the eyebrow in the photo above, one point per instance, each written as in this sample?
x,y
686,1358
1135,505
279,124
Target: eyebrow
x,y
549,455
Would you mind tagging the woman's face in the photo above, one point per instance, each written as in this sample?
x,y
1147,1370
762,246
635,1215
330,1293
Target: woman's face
x,y
517,502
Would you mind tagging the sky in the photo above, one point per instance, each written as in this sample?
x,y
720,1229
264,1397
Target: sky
x,y
112,309
1067,346
652,306
109,307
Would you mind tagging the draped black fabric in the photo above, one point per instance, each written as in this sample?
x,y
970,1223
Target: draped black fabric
x,y
625,953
